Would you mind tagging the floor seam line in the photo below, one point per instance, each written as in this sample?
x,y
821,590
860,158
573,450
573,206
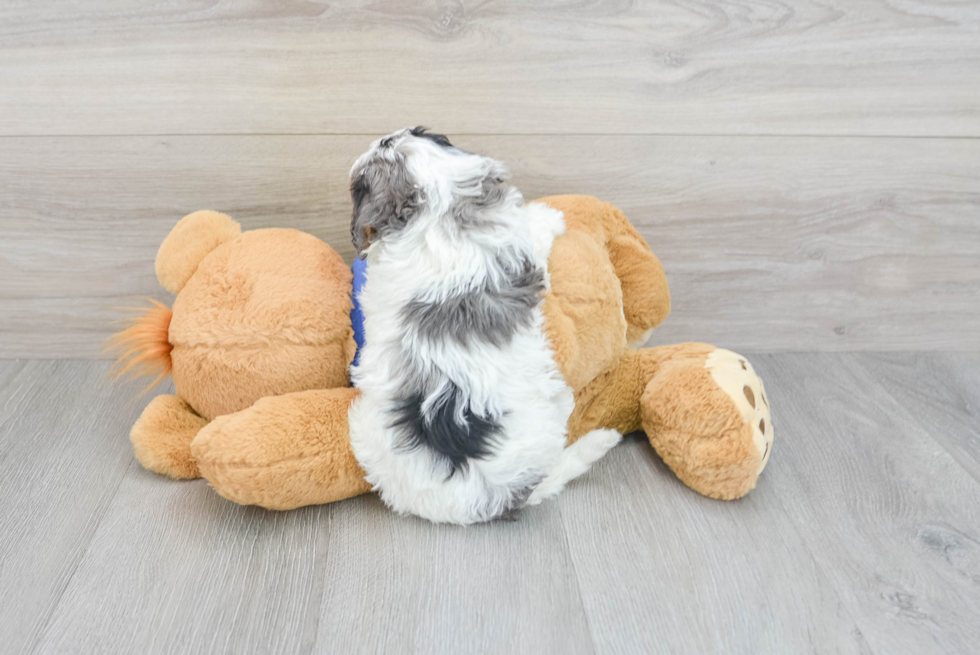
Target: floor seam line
x,y
74,570
816,563
578,584
901,407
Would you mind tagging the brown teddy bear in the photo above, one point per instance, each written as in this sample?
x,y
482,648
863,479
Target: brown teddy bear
x,y
259,342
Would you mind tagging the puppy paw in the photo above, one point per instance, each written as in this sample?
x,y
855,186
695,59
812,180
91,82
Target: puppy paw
x,y
592,446
575,460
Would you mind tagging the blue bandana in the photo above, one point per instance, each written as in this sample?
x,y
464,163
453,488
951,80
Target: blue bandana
x,y
359,267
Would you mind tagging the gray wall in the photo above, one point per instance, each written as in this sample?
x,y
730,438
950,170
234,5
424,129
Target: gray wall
x,y
810,176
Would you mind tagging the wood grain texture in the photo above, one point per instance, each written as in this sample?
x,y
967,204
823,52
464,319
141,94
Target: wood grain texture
x,y
908,67
769,243
664,570
176,569
63,452
860,538
890,517
939,394
503,587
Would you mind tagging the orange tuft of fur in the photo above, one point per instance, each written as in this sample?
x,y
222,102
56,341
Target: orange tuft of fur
x,y
144,346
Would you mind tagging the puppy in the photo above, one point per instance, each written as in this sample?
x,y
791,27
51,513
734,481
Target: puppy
x,y
462,414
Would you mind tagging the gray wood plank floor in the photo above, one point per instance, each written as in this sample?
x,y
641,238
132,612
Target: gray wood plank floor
x,y
863,536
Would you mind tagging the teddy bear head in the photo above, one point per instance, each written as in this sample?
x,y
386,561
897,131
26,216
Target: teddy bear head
x,y
256,314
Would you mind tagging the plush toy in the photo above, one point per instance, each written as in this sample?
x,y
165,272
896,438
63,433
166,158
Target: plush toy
x,y
258,314
260,340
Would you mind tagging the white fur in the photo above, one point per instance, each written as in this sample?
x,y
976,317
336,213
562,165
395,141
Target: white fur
x,y
518,382
575,460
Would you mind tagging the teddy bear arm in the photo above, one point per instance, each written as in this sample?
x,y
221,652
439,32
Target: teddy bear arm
x,y
162,437
646,296
283,452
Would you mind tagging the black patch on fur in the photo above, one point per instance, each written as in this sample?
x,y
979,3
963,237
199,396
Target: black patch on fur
x,y
491,313
439,139
442,433
359,190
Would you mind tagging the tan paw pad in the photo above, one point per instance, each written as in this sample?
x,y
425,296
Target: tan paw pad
x,y
736,377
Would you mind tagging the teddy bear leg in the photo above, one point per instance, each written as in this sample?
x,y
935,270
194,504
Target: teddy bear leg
x,y
162,437
707,415
283,452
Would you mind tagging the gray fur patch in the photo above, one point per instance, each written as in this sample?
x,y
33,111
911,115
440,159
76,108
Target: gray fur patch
x,y
385,199
490,314
475,211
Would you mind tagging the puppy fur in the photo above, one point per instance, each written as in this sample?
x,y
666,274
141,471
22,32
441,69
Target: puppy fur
x,y
462,412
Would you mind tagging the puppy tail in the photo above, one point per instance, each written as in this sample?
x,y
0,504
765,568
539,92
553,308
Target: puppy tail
x,y
144,346
575,460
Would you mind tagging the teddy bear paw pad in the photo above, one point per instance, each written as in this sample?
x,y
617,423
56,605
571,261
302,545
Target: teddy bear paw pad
x,y
735,376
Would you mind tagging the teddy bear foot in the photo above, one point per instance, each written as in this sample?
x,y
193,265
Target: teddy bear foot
x,y
162,437
707,415
283,452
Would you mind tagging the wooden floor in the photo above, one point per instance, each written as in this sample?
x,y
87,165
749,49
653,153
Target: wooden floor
x,y
863,536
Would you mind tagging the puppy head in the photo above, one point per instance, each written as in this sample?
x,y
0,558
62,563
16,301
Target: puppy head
x,y
414,178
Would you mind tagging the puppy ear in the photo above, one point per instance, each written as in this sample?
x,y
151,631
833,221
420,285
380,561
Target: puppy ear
x,y
478,197
385,199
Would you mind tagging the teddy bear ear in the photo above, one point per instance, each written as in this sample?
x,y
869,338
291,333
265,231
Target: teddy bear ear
x,y
191,240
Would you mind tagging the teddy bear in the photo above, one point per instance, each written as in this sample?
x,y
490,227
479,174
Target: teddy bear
x,y
258,314
259,341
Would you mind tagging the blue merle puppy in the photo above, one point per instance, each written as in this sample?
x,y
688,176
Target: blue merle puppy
x,y
462,414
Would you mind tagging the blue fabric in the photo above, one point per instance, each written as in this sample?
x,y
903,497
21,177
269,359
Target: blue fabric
x,y
359,267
